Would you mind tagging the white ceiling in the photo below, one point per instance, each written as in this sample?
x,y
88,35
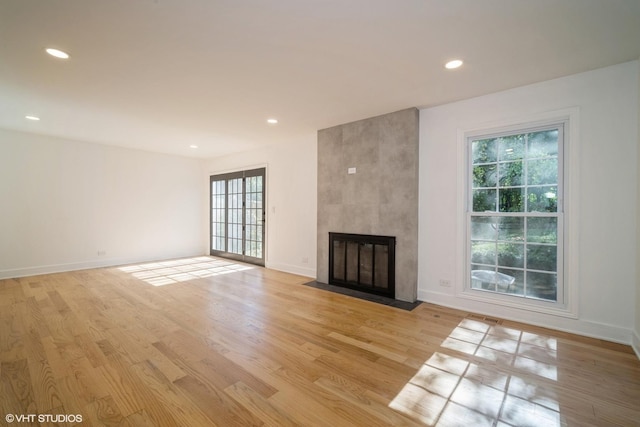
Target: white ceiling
x,y
160,75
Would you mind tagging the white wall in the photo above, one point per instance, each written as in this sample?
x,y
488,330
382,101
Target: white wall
x,y
63,201
604,209
636,336
291,201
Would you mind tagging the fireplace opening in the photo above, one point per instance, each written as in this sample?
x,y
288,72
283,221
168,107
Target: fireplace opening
x,y
363,262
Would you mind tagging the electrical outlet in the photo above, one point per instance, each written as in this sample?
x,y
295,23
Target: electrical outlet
x,y
102,253
445,283
305,260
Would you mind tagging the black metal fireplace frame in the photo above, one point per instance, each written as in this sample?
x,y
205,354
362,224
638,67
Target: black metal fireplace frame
x,y
363,239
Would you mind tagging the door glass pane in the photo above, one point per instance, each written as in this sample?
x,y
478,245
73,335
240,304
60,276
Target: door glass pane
x,y
260,242
218,208
253,216
235,214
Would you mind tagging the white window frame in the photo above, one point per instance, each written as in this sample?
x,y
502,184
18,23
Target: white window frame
x,y
567,297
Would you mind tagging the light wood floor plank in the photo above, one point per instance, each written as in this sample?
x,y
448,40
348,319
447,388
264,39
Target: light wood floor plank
x,y
44,386
175,343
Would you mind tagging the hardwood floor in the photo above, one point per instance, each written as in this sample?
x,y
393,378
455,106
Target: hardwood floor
x,y
204,342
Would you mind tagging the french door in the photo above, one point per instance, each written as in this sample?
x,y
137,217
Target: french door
x,y
238,215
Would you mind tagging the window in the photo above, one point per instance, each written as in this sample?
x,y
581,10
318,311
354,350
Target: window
x,y
238,215
515,214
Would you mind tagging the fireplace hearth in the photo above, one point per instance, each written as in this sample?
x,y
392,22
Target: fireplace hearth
x,y
363,262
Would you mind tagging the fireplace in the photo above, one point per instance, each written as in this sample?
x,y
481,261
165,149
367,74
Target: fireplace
x,y
363,262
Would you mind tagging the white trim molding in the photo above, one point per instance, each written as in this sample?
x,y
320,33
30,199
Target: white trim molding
x,y
84,265
571,169
565,324
293,269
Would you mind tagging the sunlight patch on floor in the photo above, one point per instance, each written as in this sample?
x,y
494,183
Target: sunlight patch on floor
x,y
448,390
181,270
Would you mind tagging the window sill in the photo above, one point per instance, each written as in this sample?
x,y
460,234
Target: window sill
x,y
519,303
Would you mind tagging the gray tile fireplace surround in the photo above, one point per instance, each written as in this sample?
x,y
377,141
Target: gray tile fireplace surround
x,y
368,184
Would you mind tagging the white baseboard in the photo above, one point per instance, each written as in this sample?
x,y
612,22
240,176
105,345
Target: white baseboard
x,y
293,269
575,326
83,265
112,262
635,343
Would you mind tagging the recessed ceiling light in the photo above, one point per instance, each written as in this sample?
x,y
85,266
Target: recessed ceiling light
x,y
34,118
57,53
272,121
194,146
453,64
